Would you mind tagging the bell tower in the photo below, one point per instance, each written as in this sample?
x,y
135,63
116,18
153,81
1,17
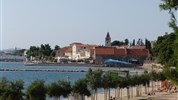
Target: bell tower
x,y
108,40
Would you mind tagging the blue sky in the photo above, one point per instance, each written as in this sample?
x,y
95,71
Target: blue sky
x,y
61,22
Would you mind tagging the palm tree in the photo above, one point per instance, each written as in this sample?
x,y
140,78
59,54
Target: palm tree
x,y
80,87
132,84
36,91
11,90
54,90
59,88
94,79
3,87
66,88
145,79
106,84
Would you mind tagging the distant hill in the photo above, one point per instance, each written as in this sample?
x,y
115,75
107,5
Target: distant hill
x,y
13,51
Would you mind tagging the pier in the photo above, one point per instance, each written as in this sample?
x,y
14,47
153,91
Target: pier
x,y
40,70
57,70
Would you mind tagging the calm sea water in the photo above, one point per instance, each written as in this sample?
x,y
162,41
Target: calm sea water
x,y
30,76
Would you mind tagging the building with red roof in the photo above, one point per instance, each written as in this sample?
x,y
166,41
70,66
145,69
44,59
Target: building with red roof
x,y
120,53
76,51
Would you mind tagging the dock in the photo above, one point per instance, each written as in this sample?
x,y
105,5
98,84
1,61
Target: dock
x,y
40,70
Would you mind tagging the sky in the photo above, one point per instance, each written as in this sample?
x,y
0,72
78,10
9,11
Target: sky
x,y
28,23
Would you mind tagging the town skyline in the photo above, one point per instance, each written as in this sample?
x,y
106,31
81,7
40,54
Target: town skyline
x,y
28,23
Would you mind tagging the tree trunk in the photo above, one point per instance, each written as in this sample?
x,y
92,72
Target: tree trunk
x,y
96,94
106,94
152,85
132,92
121,94
137,91
109,93
115,92
82,97
30,97
145,89
128,94
140,90
118,93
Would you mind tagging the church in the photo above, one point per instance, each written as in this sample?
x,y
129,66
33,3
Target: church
x,y
108,40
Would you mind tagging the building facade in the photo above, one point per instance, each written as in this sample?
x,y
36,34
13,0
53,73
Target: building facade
x,y
120,53
76,51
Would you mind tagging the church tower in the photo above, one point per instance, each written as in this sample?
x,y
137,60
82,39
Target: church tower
x,y
108,40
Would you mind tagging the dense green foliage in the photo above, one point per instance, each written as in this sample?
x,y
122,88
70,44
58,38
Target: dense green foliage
x,y
148,44
11,90
118,43
81,88
36,91
166,47
44,52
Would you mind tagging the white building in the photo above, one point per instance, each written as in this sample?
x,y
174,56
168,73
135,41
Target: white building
x,y
81,51
76,51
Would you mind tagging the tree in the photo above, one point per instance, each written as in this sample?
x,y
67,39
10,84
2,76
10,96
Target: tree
x,y
140,42
133,44
59,88
94,79
106,79
117,43
11,90
54,90
56,47
33,51
36,91
148,45
80,87
66,88
126,42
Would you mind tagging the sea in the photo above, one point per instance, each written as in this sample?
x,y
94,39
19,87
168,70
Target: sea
x,y
48,77
29,76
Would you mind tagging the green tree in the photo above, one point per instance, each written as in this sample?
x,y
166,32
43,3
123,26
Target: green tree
x,y
36,91
140,42
59,88
148,45
133,44
126,42
171,6
106,79
54,90
94,79
117,43
33,51
56,47
11,90
80,87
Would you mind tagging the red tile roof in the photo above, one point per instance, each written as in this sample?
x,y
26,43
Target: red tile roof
x,y
65,49
137,52
76,43
87,45
137,47
120,51
104,50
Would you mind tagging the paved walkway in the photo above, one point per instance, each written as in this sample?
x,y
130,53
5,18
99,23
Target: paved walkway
x,y
158,96
166,96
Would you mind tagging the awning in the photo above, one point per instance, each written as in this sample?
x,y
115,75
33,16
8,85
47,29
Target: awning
x,y
117,62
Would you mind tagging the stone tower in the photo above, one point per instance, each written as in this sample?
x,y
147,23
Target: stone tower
x,y
108,40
